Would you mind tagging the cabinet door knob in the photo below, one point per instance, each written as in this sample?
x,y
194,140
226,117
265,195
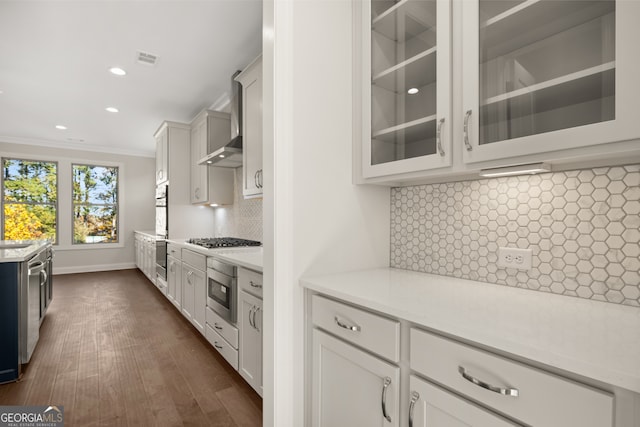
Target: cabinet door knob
x,y
506,391
414,398
467,144
439,137
385,386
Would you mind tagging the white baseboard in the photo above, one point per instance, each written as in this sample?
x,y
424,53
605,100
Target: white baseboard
x,y
92,268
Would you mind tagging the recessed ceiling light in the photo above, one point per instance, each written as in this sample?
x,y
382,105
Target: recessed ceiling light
x,y
214,205
221,156
117,71
209,162
61,127
413,91
112,109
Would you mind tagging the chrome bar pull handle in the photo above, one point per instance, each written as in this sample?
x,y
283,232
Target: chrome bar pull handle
x,y
250,313
466,130
255,325
385,386
414,398
439,137
505,391
354,328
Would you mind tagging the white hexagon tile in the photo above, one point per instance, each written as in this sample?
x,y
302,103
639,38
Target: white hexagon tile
x,y
583,227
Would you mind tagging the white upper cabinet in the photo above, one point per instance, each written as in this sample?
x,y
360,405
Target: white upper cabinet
x,y
540,76
162,156
251,81
210,185
406,75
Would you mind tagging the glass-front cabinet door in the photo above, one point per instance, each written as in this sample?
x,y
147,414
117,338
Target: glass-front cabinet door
x,y
407,78
545,75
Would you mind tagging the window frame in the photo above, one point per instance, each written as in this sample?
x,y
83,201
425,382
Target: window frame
x,y
117,242
56,205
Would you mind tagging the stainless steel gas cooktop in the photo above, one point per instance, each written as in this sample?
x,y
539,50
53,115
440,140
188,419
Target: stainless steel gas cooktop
x,y
222,242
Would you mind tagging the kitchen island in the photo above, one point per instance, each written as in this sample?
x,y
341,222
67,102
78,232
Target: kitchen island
x,y
25,294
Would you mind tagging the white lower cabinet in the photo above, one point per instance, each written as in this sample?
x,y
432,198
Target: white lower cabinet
x,y
194,288
352,387
250,322
432,406
356,379
223,336
174,281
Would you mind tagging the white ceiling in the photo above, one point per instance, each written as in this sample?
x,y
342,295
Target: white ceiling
x,y
55,56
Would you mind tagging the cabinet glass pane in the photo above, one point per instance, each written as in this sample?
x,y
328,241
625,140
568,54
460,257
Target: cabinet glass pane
x,y
544,66
403,79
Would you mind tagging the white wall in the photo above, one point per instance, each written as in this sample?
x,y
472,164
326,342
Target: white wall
x,y
137,201
316,221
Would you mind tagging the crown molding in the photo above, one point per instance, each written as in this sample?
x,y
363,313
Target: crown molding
x,y
76,146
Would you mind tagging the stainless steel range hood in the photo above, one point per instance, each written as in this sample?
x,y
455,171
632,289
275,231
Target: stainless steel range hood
x,y
230,155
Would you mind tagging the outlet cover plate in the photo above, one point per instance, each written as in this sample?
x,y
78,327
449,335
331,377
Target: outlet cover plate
x,y
514,258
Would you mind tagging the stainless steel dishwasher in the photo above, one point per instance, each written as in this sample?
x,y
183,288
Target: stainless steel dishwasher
x,y
29,303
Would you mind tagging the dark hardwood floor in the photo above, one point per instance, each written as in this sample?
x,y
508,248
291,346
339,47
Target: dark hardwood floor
x,y
114,351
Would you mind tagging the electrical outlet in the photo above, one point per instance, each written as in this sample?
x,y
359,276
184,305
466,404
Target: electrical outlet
x,y
514,258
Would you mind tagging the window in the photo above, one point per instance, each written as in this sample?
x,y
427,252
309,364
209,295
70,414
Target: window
x,y
95,204
30,200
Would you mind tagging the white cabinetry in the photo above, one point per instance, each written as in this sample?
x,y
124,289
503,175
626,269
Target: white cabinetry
x,y
194,290
543,76
223,336
146,255
251,80
351,386
540,81
210,185
183,218
250,323
174,275
508,387
446,383
162,156
431,406
407,86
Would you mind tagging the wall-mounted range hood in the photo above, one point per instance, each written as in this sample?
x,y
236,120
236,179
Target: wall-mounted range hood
x,y
230,155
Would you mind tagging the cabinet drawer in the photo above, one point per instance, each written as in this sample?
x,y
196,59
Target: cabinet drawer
x,y
194,259
543,399
228,332
375,333
229,353
174,250
250,281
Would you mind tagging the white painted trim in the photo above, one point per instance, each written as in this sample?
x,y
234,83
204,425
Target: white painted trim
x,y
283,385
92,268
76,146
221,103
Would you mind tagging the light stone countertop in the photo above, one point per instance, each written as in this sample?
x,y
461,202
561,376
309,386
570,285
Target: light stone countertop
x,y
20,250
250,257
594,339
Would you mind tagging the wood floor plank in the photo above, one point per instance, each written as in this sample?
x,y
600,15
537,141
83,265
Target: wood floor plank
x,y
113,351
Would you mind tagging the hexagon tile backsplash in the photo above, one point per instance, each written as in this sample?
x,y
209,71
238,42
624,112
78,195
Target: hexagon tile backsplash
x,y
583,228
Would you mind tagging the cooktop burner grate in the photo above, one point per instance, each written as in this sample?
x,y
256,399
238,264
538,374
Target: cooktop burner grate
x,y
222,242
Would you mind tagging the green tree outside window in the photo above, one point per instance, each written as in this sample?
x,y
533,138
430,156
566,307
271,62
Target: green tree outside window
x,y
30,198
95,204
